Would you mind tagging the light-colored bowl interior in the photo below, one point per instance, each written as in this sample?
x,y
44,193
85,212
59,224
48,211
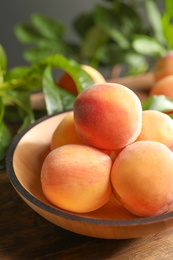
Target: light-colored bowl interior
x,y
24,161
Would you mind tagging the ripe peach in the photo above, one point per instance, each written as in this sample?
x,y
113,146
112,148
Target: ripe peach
x,y
94,73
65,133
163,87
66,81
108,116
113,154
76,178
164,66
142,178
156,126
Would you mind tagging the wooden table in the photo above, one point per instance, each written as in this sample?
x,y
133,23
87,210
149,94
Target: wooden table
x,y
26,235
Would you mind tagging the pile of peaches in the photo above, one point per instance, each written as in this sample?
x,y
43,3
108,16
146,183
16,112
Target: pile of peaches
x,y
109,145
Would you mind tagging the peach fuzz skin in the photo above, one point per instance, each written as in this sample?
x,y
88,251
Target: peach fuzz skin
x,y
76,178
65,133
157,126
108,116
142,178
163,86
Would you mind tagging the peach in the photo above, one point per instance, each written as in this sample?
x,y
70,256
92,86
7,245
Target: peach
x,y
142,178
156,126
164,66
163,86
65,133
76,178
113,154
66,81
108,116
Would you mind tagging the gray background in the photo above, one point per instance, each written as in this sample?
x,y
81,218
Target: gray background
x,y
20,11
17,11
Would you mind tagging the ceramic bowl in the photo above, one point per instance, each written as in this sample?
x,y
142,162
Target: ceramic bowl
x,y
112,221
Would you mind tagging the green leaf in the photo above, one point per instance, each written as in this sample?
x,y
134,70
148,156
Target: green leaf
x,y
83,23
110,54
127,17
45,48
51,93
155,20
147,46
2,109
67,99
169,7
17,73
94,38
136,63
36,54
168,29
158,102
82,79
1,77
11,115
3,58
5,139
40,27
48,27
45,33
22,100
27,120
22,78
26,33
106,20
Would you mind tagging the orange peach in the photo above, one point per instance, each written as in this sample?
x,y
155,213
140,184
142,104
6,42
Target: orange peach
x,y
113,154
108,116
163,86
76,178
142,178
65,133
164,66
94,73
66,81
156,126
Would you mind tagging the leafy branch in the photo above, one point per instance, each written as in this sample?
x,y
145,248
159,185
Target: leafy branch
x,y
160,41
18,84
113,32
105,36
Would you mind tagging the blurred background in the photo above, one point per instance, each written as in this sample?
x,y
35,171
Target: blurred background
x,y
17,11
101,33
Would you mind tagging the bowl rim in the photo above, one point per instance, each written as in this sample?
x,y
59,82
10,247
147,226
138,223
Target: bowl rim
x,y
58,211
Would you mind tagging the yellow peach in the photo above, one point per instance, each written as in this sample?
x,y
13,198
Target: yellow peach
x,y
142,178
163,67
156,126
76,178
65,133
163,86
